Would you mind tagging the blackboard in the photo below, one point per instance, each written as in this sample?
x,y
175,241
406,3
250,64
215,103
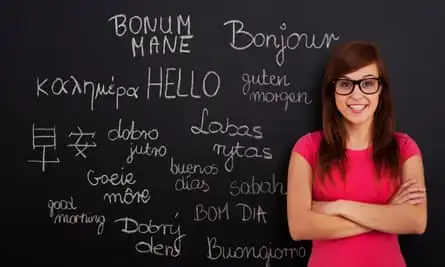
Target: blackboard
x,y
157,133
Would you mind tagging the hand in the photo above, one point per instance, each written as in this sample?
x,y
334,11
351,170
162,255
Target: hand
x,y
326,207
409,192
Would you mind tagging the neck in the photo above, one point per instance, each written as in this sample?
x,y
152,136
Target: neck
x,y
359,135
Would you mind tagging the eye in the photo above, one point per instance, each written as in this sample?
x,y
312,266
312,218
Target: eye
x,y
369,83
344,84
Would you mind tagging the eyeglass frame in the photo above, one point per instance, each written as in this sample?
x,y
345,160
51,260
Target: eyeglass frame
x,y
358,82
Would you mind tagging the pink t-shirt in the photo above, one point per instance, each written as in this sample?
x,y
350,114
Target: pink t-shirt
x,y
371,249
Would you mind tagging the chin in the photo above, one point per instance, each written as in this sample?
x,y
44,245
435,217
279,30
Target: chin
x,y
355,117
357,121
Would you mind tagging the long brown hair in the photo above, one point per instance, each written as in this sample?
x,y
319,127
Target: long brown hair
x,y
347,58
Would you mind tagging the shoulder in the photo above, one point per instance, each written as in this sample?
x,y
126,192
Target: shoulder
x,y
404,140
407,145
307,145
308,139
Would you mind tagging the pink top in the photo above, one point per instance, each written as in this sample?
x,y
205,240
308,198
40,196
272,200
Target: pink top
x,y
370,249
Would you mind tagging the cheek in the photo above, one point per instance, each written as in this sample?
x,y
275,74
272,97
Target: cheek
x,y
374,101
340,103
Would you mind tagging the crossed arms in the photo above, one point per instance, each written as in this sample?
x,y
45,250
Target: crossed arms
x,y
307,220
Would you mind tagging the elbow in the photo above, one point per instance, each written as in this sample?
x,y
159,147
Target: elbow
x,y
297,231
296,235
420,227
417,226
421,223
416,221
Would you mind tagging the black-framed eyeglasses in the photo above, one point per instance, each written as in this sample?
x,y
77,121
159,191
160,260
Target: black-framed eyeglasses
x,y
368,86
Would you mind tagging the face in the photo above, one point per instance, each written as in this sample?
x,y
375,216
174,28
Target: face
x,y
358,107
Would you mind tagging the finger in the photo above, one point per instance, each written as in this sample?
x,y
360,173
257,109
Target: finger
x,y
407,188
411,191
414,193
419,188
399,196
407,184
416,201
415,190
409,181
411,197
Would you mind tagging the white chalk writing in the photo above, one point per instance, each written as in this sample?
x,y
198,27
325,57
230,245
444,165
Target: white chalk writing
x,y
146,149
166,45
263,79
187,172
167,34
81,147
213,213
137,25
82,218
249,213
268,80
134,134
61,205
115,179
44,138
255,187
66,217
281,42
170,78
230,153
189,168
129,197
73,86
280,97
264,252
132,226
226,127
188,183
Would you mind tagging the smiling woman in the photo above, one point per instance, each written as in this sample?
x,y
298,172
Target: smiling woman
x,y
356,184
358,105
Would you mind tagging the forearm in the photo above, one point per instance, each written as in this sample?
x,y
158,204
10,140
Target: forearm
x,y
396,219
316,226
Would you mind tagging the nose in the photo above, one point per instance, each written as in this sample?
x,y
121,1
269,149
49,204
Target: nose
x,y
356,92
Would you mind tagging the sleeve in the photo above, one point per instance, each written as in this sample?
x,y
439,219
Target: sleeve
x,y
305,147
408,147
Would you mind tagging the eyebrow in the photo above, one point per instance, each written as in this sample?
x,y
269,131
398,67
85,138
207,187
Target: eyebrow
x,y
365,76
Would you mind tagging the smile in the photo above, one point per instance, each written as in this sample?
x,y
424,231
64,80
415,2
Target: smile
x,y
357,108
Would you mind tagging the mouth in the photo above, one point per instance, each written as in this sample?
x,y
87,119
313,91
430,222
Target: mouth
x,y
357,108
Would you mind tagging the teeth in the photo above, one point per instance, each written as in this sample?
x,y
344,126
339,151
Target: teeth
x,y
357,107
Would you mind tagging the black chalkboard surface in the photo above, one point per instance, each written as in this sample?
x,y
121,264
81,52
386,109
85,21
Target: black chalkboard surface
x,y
157,133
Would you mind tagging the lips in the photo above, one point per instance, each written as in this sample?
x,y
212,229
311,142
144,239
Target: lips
x,y
357,108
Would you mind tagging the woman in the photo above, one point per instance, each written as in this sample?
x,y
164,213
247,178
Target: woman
x,y
357,184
